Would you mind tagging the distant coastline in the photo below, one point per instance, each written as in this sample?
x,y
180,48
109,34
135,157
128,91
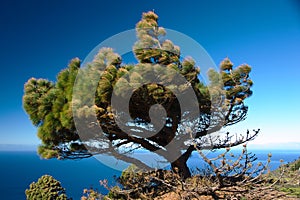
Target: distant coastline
x,y
293,146
275,146
18,147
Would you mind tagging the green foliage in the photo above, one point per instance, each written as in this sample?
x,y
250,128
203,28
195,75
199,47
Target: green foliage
x,y
149,48
46,152
130,173
46,188
38,98
236,81
291,190
296,165
48,105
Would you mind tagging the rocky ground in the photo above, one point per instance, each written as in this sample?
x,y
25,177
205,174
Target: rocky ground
x,y
282,184
267,194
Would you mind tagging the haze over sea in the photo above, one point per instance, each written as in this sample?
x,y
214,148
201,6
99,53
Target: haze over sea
x,y
20,168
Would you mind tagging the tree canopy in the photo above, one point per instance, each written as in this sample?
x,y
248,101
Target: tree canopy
x,y
149,97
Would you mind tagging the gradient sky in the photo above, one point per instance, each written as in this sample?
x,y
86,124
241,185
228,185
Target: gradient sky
x,y
39,38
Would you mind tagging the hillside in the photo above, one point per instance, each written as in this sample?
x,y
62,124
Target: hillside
x,y
288,177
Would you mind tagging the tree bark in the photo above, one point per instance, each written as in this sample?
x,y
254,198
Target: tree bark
x,y
182,168
180,165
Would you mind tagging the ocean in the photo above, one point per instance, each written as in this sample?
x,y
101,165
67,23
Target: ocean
x,y
20,168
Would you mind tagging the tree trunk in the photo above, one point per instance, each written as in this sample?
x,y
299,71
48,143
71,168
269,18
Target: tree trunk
x,y
180,165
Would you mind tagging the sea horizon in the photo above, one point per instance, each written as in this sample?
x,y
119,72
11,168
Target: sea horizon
x,y
256,146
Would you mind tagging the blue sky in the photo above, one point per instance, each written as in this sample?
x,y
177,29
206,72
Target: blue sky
x,y
38,38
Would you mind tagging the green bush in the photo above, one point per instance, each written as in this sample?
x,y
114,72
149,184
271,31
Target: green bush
x,y
296,165
46,188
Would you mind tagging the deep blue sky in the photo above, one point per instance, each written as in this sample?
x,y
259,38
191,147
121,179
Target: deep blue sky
x,y
38,38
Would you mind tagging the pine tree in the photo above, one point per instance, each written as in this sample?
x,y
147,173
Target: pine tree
x,y
221,102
